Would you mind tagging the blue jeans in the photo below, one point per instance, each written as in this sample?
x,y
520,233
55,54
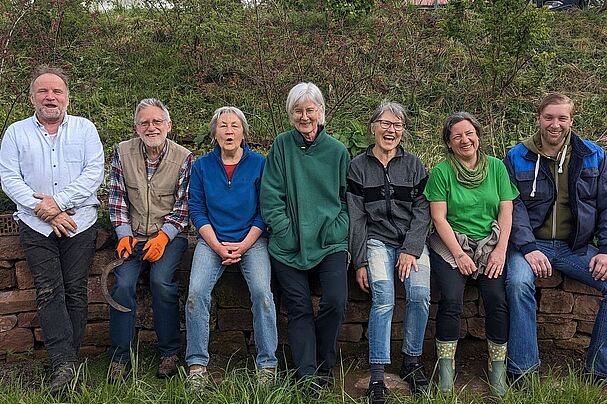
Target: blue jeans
x,y
60,268
206,271
523,353
165,304
380,271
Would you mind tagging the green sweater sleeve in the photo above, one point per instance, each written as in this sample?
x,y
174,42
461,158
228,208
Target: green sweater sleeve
x,y
343,218
272,194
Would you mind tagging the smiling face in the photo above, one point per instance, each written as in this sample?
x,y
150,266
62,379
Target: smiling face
x,y
555,123
152,127
229,132
305,117
387,139
50,98
464,141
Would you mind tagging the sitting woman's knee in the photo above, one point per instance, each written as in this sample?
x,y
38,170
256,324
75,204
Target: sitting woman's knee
x,y
418,294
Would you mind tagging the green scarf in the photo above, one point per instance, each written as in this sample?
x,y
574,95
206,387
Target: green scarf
x,y
470,178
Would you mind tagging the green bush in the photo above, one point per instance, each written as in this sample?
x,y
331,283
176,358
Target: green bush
x,y
495,59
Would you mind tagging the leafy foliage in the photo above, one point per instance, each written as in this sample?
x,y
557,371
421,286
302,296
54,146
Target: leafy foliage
x,y
500,38
494,59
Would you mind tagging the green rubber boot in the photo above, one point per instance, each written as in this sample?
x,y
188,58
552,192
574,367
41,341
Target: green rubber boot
x,y
496,366
445,351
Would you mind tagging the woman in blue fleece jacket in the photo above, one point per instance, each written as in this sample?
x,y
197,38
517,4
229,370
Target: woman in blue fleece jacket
x,y
224,208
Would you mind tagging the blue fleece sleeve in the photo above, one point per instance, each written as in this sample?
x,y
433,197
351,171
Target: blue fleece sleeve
x,y
522,234
258,220
601,231
197,201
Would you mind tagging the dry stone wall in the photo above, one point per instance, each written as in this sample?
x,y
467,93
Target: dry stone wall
x,y
566,310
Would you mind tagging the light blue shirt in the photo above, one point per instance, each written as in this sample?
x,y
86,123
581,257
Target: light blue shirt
x,y
68,166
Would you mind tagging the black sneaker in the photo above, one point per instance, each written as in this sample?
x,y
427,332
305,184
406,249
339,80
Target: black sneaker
x,y
326,378
311,386
518,381
593,377
376,392
414,375
61,377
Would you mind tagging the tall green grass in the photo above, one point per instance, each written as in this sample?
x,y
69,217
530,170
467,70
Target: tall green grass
x,y
240,385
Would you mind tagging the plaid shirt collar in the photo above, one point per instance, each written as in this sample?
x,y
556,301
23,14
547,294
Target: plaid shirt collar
x,y
160,156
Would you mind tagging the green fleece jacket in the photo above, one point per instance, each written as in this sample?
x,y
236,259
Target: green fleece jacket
x,y
303,199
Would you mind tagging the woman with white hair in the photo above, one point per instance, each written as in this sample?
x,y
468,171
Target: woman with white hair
x,y
303,202
224,208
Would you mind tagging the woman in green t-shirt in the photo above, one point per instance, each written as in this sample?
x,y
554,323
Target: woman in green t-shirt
x,y
470,197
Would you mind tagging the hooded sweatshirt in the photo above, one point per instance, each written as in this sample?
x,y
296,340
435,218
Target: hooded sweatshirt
x,y
558,224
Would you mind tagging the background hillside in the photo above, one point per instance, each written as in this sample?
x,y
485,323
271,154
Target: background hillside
x,y
492,59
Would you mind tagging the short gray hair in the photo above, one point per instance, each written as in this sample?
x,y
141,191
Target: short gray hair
x,y
228,110
455,119
303,92
46,69
151,102
388,106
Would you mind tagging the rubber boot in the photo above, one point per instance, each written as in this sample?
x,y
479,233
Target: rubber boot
x,y
498,383
445,351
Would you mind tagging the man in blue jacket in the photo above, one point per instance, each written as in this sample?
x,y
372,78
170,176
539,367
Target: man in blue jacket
x,y
562,207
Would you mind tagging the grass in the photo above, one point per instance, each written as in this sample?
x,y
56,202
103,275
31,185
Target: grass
x,y
240,385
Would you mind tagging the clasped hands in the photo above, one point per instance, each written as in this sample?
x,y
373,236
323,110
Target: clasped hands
x,y
231,253
49,211
494,268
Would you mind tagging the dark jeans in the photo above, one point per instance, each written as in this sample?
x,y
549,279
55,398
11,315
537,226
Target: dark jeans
x,y
312,339
60,268
452,283
165,300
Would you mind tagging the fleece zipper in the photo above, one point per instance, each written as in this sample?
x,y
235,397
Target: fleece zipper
x,y
388,199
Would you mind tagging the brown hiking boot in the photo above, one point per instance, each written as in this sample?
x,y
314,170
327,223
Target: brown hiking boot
x,y
119,372
167,367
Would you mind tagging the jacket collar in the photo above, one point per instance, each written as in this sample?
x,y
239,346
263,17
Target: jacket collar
x,y
300,142
578,148
217,151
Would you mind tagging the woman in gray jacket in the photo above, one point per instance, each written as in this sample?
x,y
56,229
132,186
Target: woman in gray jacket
x,y
389,218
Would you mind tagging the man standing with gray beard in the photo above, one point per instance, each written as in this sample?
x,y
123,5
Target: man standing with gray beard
x,y
51,165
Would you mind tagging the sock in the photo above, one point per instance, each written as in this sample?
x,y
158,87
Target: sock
x,y
409,360
377,373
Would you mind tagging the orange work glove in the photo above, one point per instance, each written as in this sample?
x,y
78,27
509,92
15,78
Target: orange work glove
x,y
154,248
125,246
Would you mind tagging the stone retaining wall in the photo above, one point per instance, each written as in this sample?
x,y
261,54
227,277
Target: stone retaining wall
x,y
566,310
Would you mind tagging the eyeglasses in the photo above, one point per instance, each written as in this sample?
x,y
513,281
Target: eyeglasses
x,y
154,122
298,113
398,126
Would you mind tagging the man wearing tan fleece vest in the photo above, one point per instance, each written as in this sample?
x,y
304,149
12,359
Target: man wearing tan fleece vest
x,y
149,211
